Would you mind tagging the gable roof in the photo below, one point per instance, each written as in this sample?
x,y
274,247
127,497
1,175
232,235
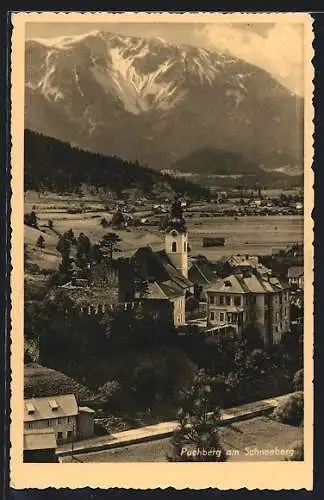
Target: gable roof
x,y
156,266
50,407
201,273
253,283
39,439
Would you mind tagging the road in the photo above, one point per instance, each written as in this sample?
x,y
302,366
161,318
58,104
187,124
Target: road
x,y
242,441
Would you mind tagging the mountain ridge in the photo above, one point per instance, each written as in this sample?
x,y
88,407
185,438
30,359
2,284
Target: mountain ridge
x,y
156,102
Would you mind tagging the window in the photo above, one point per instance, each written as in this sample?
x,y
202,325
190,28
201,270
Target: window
x,y
253,299
30,408
221,317
69,419
174,246
61,420
60,435
30,425
212,316
229,317
212,299
53,404
228,300
221,300
185,246
48,423
69,434
237,301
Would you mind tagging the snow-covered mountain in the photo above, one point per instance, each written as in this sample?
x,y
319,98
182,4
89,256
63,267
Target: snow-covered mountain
x,y
149,100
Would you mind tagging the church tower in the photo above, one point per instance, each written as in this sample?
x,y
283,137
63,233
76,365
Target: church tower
x,y
176,239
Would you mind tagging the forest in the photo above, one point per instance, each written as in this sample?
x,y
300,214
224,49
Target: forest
x,y
56,166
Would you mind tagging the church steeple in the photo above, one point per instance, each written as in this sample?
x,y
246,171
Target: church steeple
x,y
177,220
176,239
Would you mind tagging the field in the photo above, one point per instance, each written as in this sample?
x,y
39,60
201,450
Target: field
x,y
255,235
261,433
258,235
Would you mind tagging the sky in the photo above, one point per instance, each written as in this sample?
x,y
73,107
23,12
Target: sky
x,y
275,47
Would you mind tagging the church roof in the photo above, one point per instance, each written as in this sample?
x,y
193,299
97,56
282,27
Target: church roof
x,y
156,266
201,273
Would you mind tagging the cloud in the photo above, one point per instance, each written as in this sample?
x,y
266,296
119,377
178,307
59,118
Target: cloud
x,y
278,48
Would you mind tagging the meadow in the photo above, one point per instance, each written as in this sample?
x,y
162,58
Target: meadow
x,y
253,235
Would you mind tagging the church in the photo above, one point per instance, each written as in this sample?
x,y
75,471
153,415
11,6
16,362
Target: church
x,y
160,278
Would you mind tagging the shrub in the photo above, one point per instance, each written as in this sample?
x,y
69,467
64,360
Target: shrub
x,y
197,438
298,381
111,393
291,411
40,381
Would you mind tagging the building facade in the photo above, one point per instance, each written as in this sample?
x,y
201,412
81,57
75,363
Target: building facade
x,y
60,413
295,276
247,299
164,272
40,446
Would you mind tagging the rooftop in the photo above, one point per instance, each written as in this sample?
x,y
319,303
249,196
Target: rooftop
x,y
252,283
156,266
50,407
39,439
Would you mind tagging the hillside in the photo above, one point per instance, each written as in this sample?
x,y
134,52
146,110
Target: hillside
x,y
225,167
146,99
40,381
57,166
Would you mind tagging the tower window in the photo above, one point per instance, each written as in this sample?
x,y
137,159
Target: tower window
x,y
174,246
185,247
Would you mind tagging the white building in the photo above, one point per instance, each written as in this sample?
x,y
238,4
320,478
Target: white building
x,y
60,413
250,298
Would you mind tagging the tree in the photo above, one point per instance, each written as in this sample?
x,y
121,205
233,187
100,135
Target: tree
x,y
197,438
109,242
104,223
31,219
145,383
298,380
118,220
63,246
111,394
95,253
70,236
65,266
291,411
40,242
83,246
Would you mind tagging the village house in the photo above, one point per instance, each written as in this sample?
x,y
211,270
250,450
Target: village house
x,y
40,445
250,298
61,414
295,275
245,262
165,272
